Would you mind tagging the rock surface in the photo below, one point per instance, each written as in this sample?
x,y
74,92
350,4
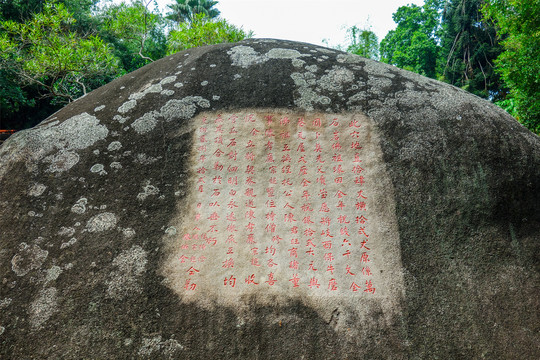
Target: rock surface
x,y
100,202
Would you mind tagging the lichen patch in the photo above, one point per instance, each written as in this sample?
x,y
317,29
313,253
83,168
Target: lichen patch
x,y
279,53
28,258
120,119
168,80
115,145
148,190
36,189
98,168
66,231
62,161
145,123
76,133
336,79
53,273
125,280
116,165
167,92
102,222
127,106
245,56
43,307
154,346
80,206
128,233
69,243
149,89
183,109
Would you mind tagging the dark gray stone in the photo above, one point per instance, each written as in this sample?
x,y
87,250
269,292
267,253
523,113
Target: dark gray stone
x,y
87,199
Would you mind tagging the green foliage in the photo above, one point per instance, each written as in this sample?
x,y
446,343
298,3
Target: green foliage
x,y
136,33
12,96
470,47
186,10
413,44
518,22
23,10
54,51
203,31
44,51
363,42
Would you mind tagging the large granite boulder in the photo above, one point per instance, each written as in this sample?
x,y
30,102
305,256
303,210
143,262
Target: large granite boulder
x,y
271,199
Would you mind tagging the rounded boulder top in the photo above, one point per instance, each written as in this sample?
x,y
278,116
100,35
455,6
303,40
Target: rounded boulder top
x,y
271,199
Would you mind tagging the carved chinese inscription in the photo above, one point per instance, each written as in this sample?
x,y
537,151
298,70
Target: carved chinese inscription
x,y
282,202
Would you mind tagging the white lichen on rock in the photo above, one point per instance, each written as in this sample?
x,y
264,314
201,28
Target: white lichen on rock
x,y
279,53
36,189
147,89
245,56
145,123
325,50
62,161
336,79
97,168
152,345
43,307
101,222
144,159
148,190
76,133
310,87
53,273
80,206
69,243
168,80
120,119
125,280
128,233
4,303
298,63
115,145
306,88
28,258
66,231
183,109
171,230
167,92
116,165
127,106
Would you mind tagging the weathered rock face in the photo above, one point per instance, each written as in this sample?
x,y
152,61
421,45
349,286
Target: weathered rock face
x,y
271,199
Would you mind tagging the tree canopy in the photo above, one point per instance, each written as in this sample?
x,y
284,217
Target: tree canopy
x,y
518,26
363,42
203,31
413,44
187,10
53,51
470,46
44,51
136,33
490,48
